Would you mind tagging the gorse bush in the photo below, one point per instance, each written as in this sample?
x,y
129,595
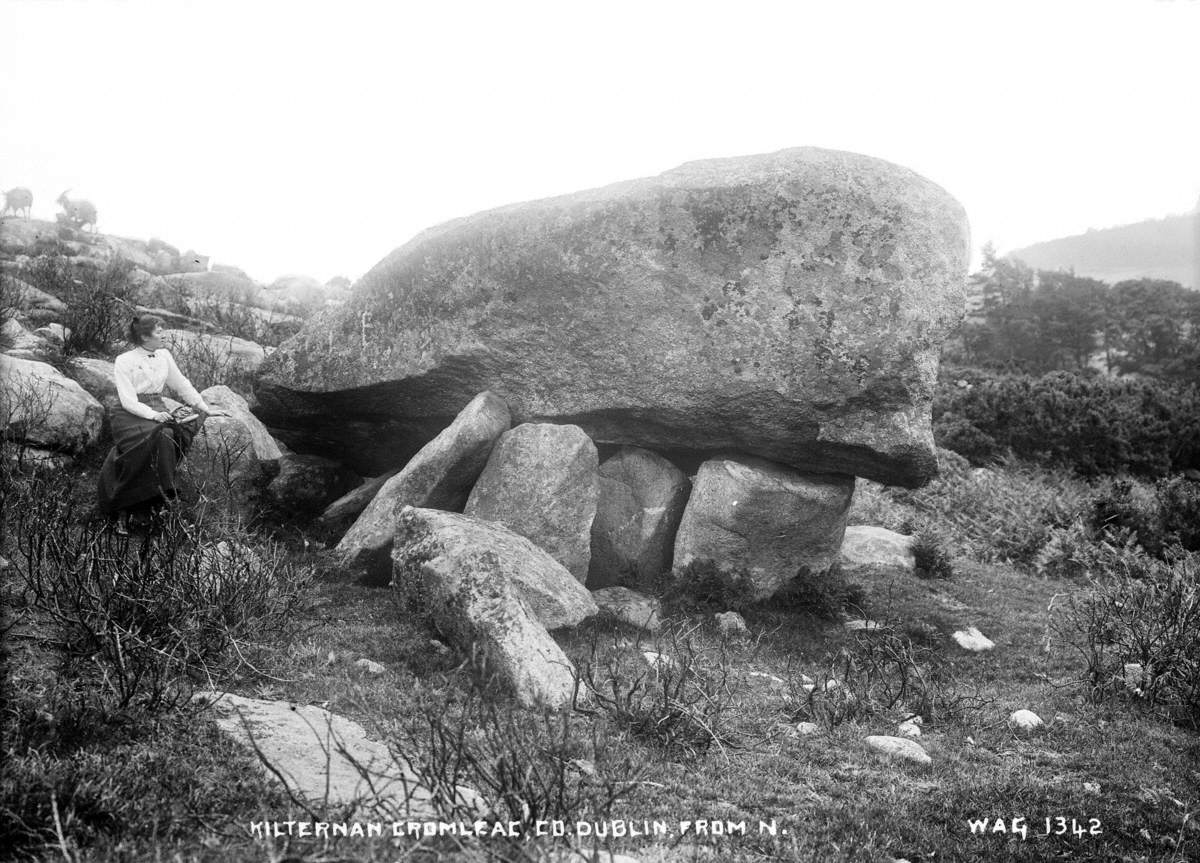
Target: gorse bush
x,y
1092,424
1156,518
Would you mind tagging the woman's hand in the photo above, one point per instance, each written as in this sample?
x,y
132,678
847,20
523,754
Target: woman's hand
x,y
162,417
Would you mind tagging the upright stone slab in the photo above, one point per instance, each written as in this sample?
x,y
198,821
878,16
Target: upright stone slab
x,y
642,496
541,482
789,305
468,589
439,477
763,520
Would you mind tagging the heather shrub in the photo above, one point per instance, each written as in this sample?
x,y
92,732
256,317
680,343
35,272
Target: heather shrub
x,y
1135,631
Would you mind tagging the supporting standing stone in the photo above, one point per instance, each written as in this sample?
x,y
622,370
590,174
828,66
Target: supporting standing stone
x,y
541,482
642,496
763,521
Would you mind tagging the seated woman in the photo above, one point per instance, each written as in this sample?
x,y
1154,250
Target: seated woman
x,y
148,442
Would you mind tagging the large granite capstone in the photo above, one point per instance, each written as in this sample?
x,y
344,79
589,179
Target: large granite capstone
x,y
787,305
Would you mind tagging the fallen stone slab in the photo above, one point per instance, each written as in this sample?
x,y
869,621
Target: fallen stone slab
x,y
440,476
325,758
464,575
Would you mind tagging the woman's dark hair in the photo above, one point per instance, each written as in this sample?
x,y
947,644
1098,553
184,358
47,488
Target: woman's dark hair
x,y
141,327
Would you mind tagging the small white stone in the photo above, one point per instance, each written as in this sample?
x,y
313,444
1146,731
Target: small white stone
x,y
806,728
1091,787
370,666
1025,720
908,729
658,660
862,625
1134,676
770,678
899,747
730,623
972,639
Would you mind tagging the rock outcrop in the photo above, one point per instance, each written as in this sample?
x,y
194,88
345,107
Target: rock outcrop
x,y
763,521
788,305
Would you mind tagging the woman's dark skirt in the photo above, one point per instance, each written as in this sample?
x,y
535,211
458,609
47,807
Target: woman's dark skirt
x,y
141,466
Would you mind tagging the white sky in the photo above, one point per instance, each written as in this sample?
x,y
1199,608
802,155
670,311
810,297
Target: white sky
x,y
315,137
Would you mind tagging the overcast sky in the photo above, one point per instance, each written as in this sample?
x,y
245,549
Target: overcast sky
x,y
315,137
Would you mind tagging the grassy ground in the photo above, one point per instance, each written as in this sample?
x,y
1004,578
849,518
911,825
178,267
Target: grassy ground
x,y
132,786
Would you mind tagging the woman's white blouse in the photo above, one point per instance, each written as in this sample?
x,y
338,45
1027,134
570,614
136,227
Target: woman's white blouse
x,y
141,371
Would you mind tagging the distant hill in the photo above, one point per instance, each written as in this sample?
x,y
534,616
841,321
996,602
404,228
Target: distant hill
x,y
1156,249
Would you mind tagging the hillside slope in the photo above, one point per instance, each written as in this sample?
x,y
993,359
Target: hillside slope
x,y
1156,248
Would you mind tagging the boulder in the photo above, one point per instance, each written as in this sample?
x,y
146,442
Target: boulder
x,y
42,407
23,236
326,759
641,500
788,305
869,547
29,298
439,476
484,587
217,352
541,482
55,334
266,449
462,541
629,607
20,342
899,748
307,483
763,521
350,505
220,287
133,251
223,466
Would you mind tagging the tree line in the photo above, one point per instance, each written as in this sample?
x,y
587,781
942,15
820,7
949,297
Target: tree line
x,y
1038,321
